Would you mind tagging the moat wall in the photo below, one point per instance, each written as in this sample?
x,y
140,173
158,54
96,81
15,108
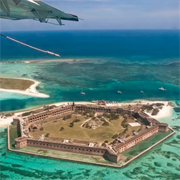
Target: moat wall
x,y
111,155
66,147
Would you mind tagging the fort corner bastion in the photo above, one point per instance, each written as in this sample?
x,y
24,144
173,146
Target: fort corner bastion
x,y
112,151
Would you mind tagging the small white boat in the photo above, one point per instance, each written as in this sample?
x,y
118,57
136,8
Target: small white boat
x,y
83,93
142,92
119,92
162,89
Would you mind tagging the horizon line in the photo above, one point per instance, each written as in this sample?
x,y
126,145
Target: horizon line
x,y
92,30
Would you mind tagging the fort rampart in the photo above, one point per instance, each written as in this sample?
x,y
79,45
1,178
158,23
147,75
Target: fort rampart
x,y
112,154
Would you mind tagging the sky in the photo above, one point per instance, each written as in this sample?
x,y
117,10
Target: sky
x,y
107,14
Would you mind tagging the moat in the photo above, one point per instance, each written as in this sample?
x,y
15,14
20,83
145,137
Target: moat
x,y
97,133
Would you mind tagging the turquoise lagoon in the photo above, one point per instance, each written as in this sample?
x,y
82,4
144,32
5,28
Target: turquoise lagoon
x,y
162,162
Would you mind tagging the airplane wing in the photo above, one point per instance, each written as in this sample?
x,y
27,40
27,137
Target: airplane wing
x,y
32,9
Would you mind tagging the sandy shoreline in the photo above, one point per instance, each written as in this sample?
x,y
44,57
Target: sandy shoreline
x,y
31,91
165,112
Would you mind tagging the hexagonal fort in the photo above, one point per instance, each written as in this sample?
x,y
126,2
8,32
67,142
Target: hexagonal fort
x,y
93,129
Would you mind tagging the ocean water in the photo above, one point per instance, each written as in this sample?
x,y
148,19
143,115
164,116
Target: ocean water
x,y
102,62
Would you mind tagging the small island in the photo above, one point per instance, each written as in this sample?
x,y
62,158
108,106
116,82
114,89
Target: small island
x,y
98,132
21,86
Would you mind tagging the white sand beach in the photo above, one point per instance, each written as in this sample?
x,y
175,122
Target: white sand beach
x,y
4,122
31,91
165,112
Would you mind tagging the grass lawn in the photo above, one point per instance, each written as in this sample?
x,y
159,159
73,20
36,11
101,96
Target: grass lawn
x,y
53,126
15,84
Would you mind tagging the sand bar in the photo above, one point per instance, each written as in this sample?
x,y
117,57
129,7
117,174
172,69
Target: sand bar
x,y
41,61
31,91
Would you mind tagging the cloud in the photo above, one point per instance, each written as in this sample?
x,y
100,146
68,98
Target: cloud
x,y
165,14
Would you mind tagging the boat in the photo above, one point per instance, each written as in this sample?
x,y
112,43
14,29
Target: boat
x,y
83,93
162,89
119,92
142,92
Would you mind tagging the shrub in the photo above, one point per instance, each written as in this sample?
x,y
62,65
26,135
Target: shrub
x,y
105,123
91,115
41,129
47,135
76,120
123,124
62,129
49,107
113,116
115,136
27,113
71,124
147,107
125,130
155,112
105,115
67,117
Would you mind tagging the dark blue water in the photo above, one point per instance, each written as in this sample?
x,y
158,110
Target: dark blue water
x,y
130,61
144,45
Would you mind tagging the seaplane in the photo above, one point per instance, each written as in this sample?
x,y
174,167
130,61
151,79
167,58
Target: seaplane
x,y
33,10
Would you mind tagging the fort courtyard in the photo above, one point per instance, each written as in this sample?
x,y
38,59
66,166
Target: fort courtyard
x,y
88,125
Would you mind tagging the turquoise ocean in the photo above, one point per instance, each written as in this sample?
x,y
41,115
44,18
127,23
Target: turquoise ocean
x,y
98,63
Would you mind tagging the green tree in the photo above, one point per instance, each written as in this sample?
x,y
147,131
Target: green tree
x,y
62,129
71,124
115,136
41,129
105,123
47,134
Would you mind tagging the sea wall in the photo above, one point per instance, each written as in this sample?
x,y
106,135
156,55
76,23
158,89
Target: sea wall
x,y
136,139
66,147
74,148
80,160
146,150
